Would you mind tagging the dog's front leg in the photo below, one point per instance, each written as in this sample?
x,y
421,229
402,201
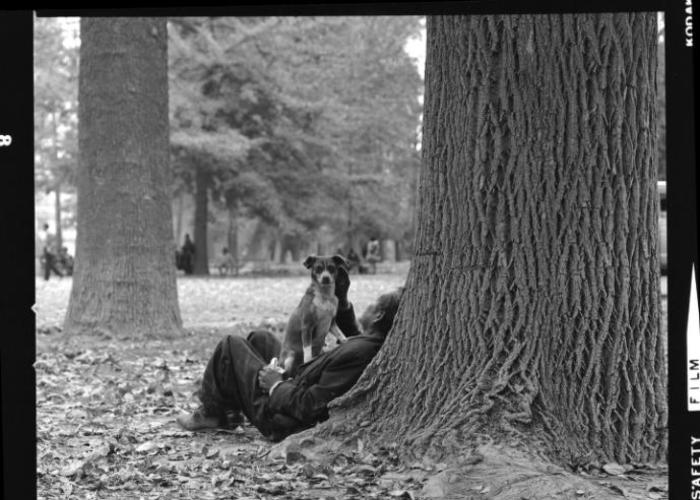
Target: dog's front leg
x,y
337,333
308,325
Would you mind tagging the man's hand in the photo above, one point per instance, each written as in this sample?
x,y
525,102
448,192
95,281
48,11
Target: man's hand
x,y
342,283
269,375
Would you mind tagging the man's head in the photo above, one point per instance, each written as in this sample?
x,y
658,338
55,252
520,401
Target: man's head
x,y
379,317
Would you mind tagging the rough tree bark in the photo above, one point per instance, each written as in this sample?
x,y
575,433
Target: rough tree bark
x,y
124,281
201,216
531,311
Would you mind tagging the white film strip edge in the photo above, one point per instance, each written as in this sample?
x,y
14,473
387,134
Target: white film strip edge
x,y
693,347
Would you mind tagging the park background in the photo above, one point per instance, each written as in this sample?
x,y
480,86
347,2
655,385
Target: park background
x,y
260,189
266,228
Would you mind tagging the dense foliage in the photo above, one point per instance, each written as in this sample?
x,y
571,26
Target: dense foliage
x,y
55,109
291,115
299,122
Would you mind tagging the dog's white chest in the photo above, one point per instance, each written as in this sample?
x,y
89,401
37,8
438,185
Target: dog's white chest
x,y
325,304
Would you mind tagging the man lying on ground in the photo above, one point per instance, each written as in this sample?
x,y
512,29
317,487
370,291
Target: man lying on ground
x,y
238,377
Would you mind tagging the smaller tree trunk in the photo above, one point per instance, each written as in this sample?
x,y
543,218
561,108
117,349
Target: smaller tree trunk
x,y
57,208
351,211
201,207
178,217
274,248
232,204
290,244
256,245
57,188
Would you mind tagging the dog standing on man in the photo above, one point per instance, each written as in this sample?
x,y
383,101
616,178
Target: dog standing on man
x,y
314,318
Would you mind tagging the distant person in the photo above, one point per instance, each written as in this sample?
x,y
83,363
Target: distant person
x,y
187,255
228,263
353,260
48,256
373,254
65,262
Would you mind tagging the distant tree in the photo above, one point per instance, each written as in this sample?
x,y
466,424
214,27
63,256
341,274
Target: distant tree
x,y
365,91
55,112
221,109
531,310
124,281
284,84
197,157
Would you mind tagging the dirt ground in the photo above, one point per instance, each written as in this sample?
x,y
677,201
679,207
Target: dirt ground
x,y
106,408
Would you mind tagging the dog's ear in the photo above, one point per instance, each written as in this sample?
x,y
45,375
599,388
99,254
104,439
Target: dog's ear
x,y
310,261
340,262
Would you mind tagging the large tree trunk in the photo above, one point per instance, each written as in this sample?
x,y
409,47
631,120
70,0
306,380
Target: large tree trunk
x,y
532,304
124,281
201,216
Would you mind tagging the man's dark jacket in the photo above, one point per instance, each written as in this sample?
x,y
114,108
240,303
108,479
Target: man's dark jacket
x,y
301,402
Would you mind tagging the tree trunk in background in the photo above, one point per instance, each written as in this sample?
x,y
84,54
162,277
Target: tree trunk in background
x,y
57,187
232,204
351,211
284,247
57,210
277,245
257,244
292,245
124,281
178,217
531,309
201,216
273,248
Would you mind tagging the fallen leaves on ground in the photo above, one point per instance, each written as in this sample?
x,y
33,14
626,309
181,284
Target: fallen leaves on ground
x,y
106,429
106,408
106,412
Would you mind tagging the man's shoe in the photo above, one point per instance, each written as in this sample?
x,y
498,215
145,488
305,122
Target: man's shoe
x,y
198,421
235,418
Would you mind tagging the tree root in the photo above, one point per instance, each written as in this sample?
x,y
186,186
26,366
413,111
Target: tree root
x,y
488,471
503,473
